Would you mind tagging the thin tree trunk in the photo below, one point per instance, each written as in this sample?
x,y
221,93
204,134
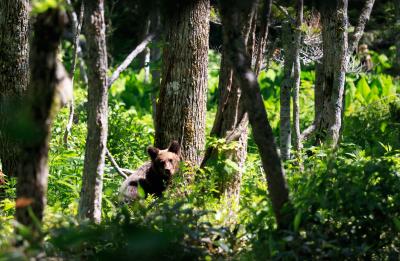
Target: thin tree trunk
x,y
262,36
76,25
296,77
285,91
182,100
92,180
39,109
14,66
334,35
254,105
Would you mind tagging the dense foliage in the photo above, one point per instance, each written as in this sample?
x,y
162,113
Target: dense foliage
x,y
347,200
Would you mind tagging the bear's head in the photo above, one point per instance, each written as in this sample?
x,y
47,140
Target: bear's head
x,y
165,162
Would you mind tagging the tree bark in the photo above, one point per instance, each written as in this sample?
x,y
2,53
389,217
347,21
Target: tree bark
x,y
335,49
285,91
296,76
355,37
92,180
182,100
37,112
231,121
254,105
76,29
14,65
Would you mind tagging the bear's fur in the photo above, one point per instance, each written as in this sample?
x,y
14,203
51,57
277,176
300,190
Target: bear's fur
x,y
154,176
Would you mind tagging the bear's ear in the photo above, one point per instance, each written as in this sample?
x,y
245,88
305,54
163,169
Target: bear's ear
x,y
153,152
175,147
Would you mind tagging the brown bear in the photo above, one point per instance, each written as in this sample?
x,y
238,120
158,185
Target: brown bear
x,y
154,176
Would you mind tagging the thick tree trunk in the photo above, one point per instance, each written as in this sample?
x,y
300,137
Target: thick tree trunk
x,y
334,35
296,77
14,61
231,121
254,105
37,112
182,101
285,91
397,31
92,180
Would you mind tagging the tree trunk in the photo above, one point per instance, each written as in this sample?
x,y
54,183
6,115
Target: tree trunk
x,y
76,29
334,36
14,63
254,105
285,91
296,77
231,124
92,180
182,101
37,112
397,32
231,121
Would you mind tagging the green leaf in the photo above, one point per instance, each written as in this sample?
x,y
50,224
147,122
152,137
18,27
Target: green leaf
x,y
383,126
297,221
396,222
363,88
232,165
141,192
40,6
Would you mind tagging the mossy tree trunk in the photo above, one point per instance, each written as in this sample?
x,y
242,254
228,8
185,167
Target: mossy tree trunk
x,y
37,113
231,121
92,180
14,53
181,106
254,105
334,63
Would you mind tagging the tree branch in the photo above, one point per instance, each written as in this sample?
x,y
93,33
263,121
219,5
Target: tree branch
x,y
307,133
286,13
130,58
115,165
359,29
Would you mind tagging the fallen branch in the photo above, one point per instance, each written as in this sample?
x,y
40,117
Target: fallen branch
x,y
130,58
115,165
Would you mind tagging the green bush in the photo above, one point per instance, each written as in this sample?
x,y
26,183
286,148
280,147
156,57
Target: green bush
x,y
348,207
